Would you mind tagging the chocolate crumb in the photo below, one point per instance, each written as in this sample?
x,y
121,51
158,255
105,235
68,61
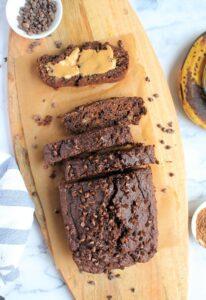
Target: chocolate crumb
x,y
147,79
163,129
150,99
109,297
117,275
163,190
5,59
167,147
34,146
34,194
60,116
171,174
110,275
56,211
43,100
32,46
58,44
91,282
170,124
53,174
132,290
53,104
159,125
156,95
169,130
42,121
161,142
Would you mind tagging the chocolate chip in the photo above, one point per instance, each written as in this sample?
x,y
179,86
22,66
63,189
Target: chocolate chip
x,y
156,95
36,16
159,125
167,147
170,124
117,275
58,44
150,99
32,46
34,146
42,121
147,79
56,211
161,142
163,190
43,100
91,282
132,290
171,174
109,297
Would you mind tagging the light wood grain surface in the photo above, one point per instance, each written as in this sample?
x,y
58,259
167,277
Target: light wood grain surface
x,y
165,276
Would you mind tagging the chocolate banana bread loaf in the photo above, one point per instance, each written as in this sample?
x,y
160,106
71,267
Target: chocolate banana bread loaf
x,y
101,164
105,113
87,142
89,63
110,222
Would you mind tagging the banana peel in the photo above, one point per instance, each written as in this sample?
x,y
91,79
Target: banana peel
x,y
191,82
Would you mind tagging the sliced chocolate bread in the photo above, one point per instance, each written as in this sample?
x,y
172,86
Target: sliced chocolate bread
x,y
87,142
110,222
103,163
89,63
105,113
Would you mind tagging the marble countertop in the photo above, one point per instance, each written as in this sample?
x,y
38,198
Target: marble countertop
x,y
171,26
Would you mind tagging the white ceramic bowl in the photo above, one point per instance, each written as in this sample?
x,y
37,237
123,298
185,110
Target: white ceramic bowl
x,y
194,219
12,11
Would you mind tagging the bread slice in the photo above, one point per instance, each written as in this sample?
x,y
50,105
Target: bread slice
x,y
102,164
87,142
110,222
112,75
105,113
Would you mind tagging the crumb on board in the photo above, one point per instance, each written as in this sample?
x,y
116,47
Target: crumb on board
x,y
147,79
171,174
150,99
132,290
42,121
155,95
91,282
34,194
56,211
34,146
167,147
109,297
163,190
58,44
161,141
32,46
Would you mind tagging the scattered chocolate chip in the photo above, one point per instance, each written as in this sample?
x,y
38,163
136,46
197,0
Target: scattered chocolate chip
x,y
91,282
156,95
43,100
161,142
32,46
36,16
110,275
5,59
159,125
163,190
53,174
150,99
167,147
58,44
163,129
56,211
132,290
34,146
42,121
109,297
169,130
147,79
117,275
171,174
53,104
60,116
170,124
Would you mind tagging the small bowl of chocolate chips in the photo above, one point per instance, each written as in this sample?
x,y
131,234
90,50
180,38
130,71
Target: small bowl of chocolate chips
x,y
199,224
34,19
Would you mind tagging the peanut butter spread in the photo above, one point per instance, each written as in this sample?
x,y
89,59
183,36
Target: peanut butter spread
x,y
87,62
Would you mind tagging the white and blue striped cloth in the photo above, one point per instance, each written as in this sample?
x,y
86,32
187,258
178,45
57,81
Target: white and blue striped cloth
x,y
16,217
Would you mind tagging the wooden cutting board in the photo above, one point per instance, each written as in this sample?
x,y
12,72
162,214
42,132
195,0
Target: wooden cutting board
x,y
165,276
